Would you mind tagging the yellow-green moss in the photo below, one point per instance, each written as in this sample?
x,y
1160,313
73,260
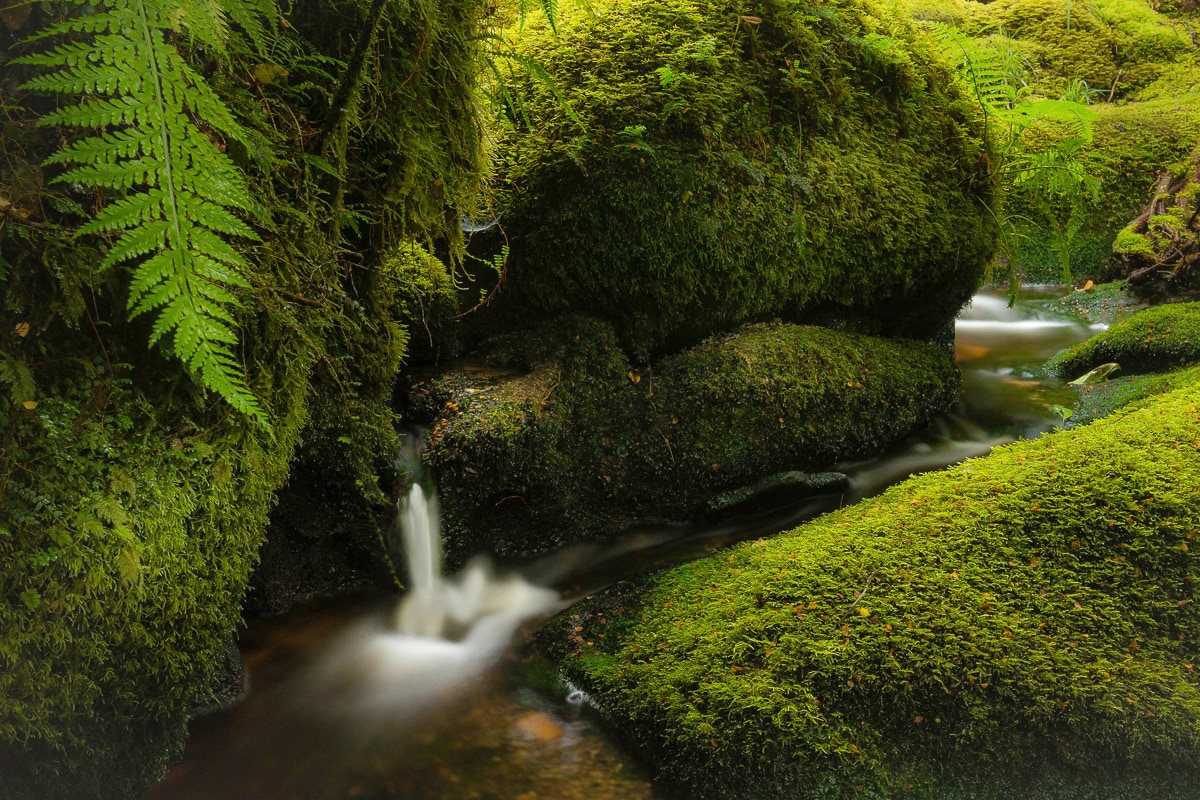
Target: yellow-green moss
x,y
1131,143
583,444
1159,338
1098,400
951,12
741,162
133,510
1105,42
1034,607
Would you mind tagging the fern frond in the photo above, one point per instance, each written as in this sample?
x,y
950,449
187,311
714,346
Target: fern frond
x,y
21,388
96,114
182,196
255,17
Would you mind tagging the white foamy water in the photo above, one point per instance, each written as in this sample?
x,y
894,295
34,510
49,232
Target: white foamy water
x,y
445,636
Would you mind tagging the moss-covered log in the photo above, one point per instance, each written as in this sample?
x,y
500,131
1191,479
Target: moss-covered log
x,y
1034,607
1154,340
1161,247
578,443
734,163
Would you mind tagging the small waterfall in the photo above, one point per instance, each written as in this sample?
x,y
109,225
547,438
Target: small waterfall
x,y
421,530
454,608
444,637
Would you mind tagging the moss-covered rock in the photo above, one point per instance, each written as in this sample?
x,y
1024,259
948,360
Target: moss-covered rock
x,y
1104,303
132,503
1101,399
1154,340
326,534
578,443
1034,607
723,163
1132,143
1162,246
133,511
1115,46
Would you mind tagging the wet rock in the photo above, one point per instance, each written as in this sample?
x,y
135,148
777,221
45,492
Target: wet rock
x,y
778,490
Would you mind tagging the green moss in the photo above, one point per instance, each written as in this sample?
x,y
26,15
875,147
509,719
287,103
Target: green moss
x,y
1128,242
820,163
951,12
1105,303
132,513
583,444
1131,143
1033,607
427,298
1116,46
132,505
1101,399
1153,340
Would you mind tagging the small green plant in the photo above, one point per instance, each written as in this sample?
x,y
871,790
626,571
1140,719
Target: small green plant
x,y
1038,150
1063,414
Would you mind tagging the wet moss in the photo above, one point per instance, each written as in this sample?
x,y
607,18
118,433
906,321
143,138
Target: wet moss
x,y
809,161
1157,339
581,443
1033,607
1105,303
1101,399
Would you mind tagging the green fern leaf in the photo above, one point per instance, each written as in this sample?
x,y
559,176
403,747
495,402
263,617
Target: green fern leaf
x,y
182,196
21,388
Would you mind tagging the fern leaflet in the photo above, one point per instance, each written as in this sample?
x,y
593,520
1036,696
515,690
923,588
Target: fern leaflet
x,y
181,196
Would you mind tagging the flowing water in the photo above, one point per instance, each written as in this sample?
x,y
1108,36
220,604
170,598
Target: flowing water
x,y
426,701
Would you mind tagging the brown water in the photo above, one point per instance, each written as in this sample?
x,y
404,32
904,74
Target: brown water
x,y
508,732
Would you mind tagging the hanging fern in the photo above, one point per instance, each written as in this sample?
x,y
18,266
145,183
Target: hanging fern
x,y
180,195
1056,175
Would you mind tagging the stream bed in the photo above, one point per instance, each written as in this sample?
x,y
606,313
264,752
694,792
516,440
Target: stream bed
x,y
318,724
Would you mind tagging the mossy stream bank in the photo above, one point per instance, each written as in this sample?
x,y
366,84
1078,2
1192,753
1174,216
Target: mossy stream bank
x,y
524,737
1032,608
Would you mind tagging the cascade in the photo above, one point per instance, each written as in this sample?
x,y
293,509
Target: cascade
x,y
445,634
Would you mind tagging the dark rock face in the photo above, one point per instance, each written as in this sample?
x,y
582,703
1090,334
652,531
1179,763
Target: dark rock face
x,y
324,539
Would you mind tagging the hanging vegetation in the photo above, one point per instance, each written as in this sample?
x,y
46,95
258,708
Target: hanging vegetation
x,y
223,183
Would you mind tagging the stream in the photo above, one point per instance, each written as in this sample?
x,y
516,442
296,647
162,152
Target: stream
x,y
356,698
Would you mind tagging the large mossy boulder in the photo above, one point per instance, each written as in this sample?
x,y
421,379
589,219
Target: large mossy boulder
x,y
1035,607
1157,339
134,510
132,514
722,163
567,440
